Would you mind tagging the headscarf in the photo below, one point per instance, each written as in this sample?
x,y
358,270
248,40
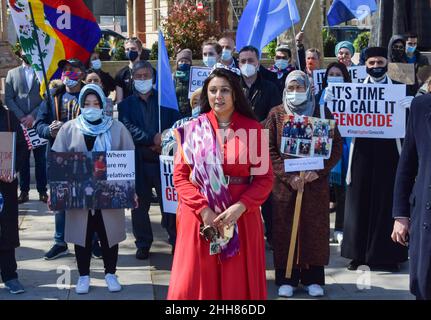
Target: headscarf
x,y
306,108
100,131
345,44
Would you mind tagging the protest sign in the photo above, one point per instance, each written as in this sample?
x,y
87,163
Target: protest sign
x,y
369,110
198,76
92,180
357,74
32,138
307,137
169,194
303,164
402,72
7,153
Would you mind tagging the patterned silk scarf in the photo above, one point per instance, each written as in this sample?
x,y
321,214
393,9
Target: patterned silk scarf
x,y
200,149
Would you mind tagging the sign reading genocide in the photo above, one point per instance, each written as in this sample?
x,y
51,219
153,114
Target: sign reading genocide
x,y
198,75
357,74
169,194
369,110
92,180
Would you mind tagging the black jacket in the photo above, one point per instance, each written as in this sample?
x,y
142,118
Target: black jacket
x,y
9,237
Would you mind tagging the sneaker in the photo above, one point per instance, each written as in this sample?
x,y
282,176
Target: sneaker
x,y
43,197
286,290
55,252
142,253
14,286
354,264
112,282
338,236
314,290
83,285
23,197
97,250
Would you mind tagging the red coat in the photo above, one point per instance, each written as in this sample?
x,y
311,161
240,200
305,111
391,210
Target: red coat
x,y
196,274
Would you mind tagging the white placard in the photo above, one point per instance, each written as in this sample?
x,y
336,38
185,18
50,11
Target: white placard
x,y
33,139
303,164
369,110
120,165
357,74
198,76
169,194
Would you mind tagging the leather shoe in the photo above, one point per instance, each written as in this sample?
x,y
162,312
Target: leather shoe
x,y
23,197
43,197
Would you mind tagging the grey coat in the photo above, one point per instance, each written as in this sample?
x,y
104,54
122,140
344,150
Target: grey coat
x,y
20,99
70,139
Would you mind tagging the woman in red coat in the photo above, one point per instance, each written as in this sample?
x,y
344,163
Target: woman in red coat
x,y
222,175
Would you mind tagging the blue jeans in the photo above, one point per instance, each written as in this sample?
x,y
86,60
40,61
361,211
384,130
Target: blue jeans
x,y
60,222
140,218
40,170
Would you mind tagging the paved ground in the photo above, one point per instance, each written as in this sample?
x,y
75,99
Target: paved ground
x,y
149,279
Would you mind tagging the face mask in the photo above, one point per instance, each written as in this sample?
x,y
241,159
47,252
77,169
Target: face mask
x,y
209,61
183,67
377,73
296,98
196,111
132,55
410,49
333,79
248,70
226,54
96,64
92,114
143,86
70,79
281,63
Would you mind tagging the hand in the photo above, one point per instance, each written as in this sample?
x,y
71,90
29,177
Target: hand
x,y
229,217
208,217
310,176
136,201
406,102
157,139
329,96
297,183
48,202
7,179
30,121
156,149
54,127
299,37
400,231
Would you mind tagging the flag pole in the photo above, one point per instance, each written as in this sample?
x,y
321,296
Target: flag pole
x,y
308,16
294,34
159,68
39,49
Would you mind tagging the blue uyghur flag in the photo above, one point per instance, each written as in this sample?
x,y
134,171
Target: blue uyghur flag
x,y
263,20
165,84
345,10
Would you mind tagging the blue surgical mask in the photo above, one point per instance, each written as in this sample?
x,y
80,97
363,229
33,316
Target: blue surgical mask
x,y
410,49
226,54
143,86
332,79
196,111
248,70
92,114
70,83
209,61
96,64
281,63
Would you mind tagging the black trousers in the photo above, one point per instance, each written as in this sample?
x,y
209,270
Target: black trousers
x,y
8,265
312,275
340,199
83,254
267,218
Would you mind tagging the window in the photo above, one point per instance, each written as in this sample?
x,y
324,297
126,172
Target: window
x,y
238,7
156,15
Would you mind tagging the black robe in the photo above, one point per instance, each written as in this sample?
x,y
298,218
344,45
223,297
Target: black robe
x,y
368,221
9,237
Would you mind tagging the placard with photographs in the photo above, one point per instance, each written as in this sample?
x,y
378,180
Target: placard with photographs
x,y
307,137
92,180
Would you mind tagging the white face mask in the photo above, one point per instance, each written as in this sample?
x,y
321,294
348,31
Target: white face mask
x,y
226,54
143,86
70,83
333,79
196,111
248,70
96,64
209,61
296,98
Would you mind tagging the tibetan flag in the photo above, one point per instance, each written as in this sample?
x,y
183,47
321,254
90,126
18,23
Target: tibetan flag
x,y
65,28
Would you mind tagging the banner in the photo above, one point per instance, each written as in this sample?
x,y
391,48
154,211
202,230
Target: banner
x,y
92,180
307,137
198,75
7,153
358,75
33,139
169,194
369,110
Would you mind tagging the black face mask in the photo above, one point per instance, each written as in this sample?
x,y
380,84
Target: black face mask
x,y
132,55
377,72
397,55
